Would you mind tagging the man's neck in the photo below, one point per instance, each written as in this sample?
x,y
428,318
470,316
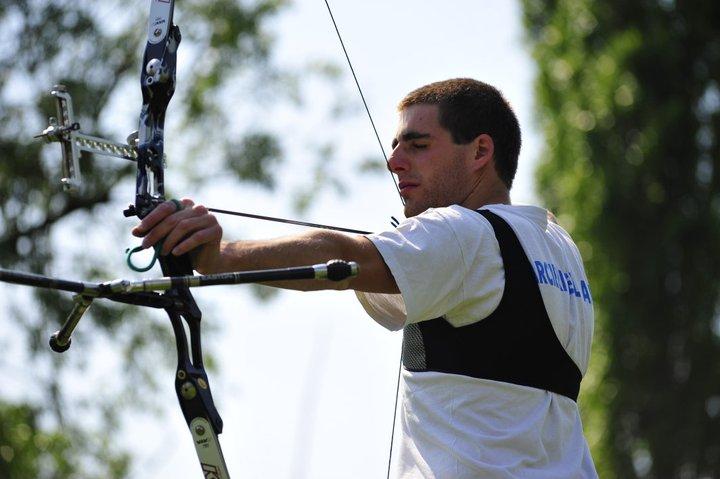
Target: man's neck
x,y
498,194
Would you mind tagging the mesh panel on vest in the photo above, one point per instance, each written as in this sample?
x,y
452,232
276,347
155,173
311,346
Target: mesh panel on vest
x,y
413,349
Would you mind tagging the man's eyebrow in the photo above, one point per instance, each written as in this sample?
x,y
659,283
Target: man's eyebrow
x,y
409,136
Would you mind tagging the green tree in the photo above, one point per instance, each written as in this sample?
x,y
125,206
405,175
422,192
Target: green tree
x,y
629,103
95,50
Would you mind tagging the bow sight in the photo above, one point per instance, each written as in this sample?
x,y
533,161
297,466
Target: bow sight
x,y
65,130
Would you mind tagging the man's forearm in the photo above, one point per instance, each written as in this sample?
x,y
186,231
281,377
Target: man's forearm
x,y
305,249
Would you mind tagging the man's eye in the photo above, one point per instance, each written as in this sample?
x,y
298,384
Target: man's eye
x,y
420,146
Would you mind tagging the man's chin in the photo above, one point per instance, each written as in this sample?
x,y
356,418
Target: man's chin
x,y
413,210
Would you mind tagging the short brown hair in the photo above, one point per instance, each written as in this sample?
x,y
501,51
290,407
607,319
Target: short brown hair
x,y
469,108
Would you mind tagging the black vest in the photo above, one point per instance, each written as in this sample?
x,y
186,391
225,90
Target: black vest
x,y
515,344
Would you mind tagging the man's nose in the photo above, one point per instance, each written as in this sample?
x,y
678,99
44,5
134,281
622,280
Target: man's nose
x,y
397,161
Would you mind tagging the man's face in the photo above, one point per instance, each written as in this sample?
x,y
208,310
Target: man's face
x,y
432,170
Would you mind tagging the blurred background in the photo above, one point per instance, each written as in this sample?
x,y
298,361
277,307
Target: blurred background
x,y
620,108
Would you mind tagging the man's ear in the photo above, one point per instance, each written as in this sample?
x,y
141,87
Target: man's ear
x,y
484,151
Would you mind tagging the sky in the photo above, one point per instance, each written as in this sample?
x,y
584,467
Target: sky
x,y
307,382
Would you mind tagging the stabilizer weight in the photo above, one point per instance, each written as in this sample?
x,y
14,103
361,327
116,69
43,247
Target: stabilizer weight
x,y
56,345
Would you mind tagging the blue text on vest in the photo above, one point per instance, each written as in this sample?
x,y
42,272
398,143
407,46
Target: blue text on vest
x,y
548,273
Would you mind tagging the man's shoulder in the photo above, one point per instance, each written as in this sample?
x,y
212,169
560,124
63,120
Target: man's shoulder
x,y
522,217
534,214
461,213
524,220
457,219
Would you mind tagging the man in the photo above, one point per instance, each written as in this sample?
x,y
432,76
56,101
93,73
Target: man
x,y
493,298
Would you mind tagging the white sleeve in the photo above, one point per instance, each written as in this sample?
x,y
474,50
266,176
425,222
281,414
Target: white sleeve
x,y
446,262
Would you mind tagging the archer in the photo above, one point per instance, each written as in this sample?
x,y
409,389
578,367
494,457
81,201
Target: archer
x,y
495,338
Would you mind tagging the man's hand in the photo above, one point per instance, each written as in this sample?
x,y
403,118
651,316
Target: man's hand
x,y
192,228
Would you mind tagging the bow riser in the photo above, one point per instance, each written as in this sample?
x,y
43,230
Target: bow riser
x,y
157,81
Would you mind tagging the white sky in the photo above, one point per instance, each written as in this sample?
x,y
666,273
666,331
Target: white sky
x,y
307,381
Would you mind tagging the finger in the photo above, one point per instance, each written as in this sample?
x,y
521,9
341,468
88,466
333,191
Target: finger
x,y
209,235
162,211
187,223
168,225
187,203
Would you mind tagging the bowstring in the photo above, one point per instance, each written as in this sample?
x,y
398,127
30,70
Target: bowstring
x,y
377,136
362,97
394,421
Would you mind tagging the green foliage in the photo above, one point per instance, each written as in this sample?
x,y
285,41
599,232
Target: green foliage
x,y
28,451
629,104
253,159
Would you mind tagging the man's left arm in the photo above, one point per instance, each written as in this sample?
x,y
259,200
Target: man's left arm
x,y
194,230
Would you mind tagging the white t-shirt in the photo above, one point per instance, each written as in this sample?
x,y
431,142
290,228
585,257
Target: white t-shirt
x,y
446,262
